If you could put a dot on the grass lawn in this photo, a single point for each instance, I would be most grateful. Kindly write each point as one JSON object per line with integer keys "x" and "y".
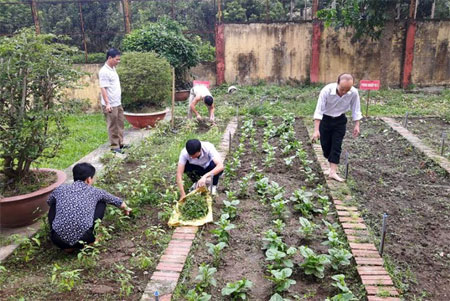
{"x": 87, "y": 132}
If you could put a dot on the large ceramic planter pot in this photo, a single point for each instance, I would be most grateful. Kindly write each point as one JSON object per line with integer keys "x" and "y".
{"x": 22, "y": 210}
{"x": 143, "y": 120}
{"x": 182, "y": 95}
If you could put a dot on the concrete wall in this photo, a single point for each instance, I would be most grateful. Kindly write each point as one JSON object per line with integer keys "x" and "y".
{"x": 365, "y": 58}
{"x": 272, "y": 52}
{"x": 90, "y": 89}
{"x": 204, "y": 71}
{"x": 432, "y": 54}
{"x": 282, "y": 52}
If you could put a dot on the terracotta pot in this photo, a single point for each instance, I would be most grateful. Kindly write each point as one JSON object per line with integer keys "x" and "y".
{"x": 182, "y": 95}
{"x": 143, "y": 120}
{"x": 22, "y": 210}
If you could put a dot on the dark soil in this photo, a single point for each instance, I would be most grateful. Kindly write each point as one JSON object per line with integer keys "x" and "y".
{"x": 99, "y": 282}
{"x": 429, "y": 130}
{"x": 245, "y": 257}
{"x": 391, "y": 176}
{"x": 31, "y": 182}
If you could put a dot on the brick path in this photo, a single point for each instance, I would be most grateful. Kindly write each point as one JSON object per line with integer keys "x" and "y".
{"x": 416, "y": 142}
{"x": 369, "y": 263}
{"x": 165, "y": 278}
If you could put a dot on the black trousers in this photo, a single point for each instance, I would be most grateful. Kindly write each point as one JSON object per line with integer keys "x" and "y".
{"x": 332, "y": 132}
{"x": 88, "y": 237}
{"x": 195, "y": 172}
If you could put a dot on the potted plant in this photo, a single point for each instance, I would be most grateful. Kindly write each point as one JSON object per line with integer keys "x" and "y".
{"x": 166, "y": 38}
{"x": 146, "y": 81}
{"x": 34, "y": 73}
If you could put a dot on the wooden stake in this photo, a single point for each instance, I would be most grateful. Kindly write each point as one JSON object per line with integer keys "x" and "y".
{"x": 368, "y": 101}
{"x": 173, "y": 98}
{"x": 443, "y": 143}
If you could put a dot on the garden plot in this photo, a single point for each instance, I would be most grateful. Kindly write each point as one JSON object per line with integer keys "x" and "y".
{"x": 429, "y": 130}
{"x": 120, "y": 267}
{"x": 270, "y": 239}
{"x": 388, "y": 175}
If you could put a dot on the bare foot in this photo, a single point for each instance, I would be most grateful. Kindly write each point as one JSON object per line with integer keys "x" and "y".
{"x": 336, "y": 177}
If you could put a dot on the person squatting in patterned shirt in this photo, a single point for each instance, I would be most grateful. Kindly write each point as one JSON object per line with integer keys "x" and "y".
{"x": 74, "y": 209}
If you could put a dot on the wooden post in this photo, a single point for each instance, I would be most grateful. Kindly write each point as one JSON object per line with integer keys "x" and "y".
{"x": 173, "y": 98}
{"x": 315, "y": 47}
{"x": 126, "y": 15}
{"x": 267, "y": 11}
{"x": 83, "y": 33}
{"x": 172, "y": 10}
{"x": 368, "y": 101}
{"x": 219, "y": 12}
{"x": 35, "y": 13}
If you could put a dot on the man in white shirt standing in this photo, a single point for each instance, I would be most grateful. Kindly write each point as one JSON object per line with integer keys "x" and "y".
{"x": 111, "y": 100}
{"x": 201, "y": 92}
{"x": 330, "y": 122}
{"x": 200, "y": 160}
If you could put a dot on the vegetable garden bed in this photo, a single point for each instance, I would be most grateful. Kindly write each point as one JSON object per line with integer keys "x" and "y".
{"x": 388, "y": 175}
{"x": 120, "y": 267}
{"x": 255, "y": 243}
{"x": 429, "y": 130}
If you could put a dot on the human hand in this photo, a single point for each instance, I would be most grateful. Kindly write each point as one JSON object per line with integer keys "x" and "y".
{"x": 108, "y": 108}
{"x": 356, "y": 131}
{"x": 199, "y": 117}
{"x": 315, "y": 136}
{"x": 201, "y": 182}
{"x": 126, "y": 210}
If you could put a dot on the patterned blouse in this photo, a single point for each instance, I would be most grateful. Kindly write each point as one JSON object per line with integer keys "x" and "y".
{"x": 75, "y": 208}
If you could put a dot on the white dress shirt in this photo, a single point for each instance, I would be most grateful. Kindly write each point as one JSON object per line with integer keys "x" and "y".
{"x": 207, "y": 154}
{"x": 109, "y": 79}
{"x": 331, "y": 104}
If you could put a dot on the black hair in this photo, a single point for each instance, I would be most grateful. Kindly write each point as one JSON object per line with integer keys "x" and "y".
{"x": 193, "y": 146}
{"x": 208, "y": 100}
{"x": 82, "y": 171}
{"x": 113, "y": 52}
{"x": 339, "y": 77}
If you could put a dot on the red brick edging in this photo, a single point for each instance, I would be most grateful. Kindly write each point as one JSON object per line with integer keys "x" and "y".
{"x": 369, "y": 263}
{"x": 165, "y": 278}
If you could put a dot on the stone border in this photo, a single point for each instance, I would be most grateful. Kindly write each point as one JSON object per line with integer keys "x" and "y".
{"x": 369, "y": 263}
{"x": 417, "y": 143}
{"x": 165, "y": 278}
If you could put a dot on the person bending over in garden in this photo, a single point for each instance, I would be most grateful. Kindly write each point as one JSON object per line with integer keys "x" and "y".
{"x": 198, "y": 93}
{"x": 200, "y": 160}
{"x": 111, "y": 94}
{"x": 330, "y": 122}
{"x": 74, "y": 209}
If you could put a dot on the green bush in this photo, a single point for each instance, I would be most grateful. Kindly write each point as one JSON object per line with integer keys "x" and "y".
{"x": 166, "y": 38}
{"x": 34, "y": 74}
{"x": 146, "y": 80}
{"x": 93, "y": 58}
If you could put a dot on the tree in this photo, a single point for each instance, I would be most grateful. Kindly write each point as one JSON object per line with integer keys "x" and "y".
{"x": 366, "y": 17}
{"x": 34, "y": 73}
{"x": 14, "y": 17}
{"x": 166, "y": 38}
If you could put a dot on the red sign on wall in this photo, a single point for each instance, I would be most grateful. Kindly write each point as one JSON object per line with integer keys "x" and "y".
{"x": 369, "y": 85}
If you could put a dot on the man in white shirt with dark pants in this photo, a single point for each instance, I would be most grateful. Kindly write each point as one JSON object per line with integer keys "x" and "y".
{"x": 111, "y": 94}
{"x": 200, "y": 160}
{"x": 201, "y": 92}
{"x": 330, "y": 122}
